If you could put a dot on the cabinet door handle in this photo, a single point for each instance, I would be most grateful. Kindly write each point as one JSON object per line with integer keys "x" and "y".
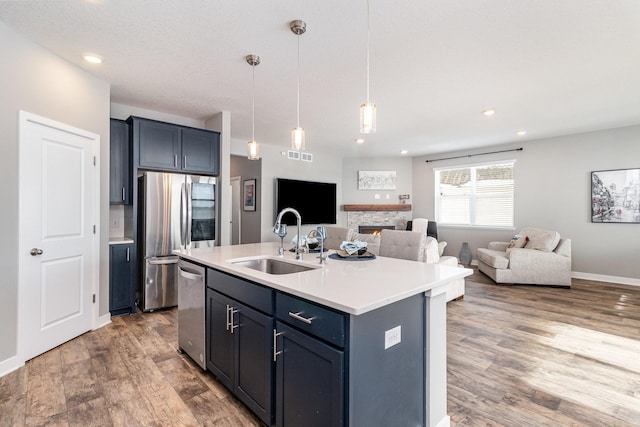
{"x": 228, "y": 316}
{"x": 298, "y": 316}
{"x": 276, "y": 334}
{"x": 128, "y": 255}
{"x": 175, "y": 160}
{"x": 123, "y": 194}
{"x": 184, "y": 162}
{"x": 231, "y": 313}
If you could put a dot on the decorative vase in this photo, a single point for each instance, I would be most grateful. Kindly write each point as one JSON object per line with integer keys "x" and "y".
{"x": 465, "y": 254}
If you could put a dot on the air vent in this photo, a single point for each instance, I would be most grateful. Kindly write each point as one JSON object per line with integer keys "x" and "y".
{"x": 293, "y": 155}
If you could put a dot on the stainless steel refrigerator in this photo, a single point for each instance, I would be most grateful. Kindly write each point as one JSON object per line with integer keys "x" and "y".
{"x": 176, "y": 211}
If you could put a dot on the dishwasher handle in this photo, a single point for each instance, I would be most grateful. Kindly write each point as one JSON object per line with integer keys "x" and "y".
{"x": 191, "y": 276}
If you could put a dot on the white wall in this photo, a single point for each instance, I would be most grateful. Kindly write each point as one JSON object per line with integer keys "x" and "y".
{"x": 250, "y": 221}
{"x": 221, "y": 122}
{"x": 402, "y": 165}
{"x": 553, "y": 190}
{"x": 324, "y": 168}
{"x": 34, "y": 80}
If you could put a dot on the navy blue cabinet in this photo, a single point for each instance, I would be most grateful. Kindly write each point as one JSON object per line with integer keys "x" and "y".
{"x": 309, "y": 380}
{"x": 165, "y": 146}
{"x": 295, "y": 362}
{"x": 240, "y": 345}
{"x": 200, "y": 151}
{"x": 158, "y": 144}
{"x": 119, "y": 163}
{"x": 121, "y": 268}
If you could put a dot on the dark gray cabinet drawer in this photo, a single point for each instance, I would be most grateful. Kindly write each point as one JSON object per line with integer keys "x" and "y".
{"x": 248, "y": 293}
{"x": 309, "y": 317}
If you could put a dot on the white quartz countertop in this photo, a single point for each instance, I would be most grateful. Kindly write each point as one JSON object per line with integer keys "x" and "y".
{"x": 353, "y": 287}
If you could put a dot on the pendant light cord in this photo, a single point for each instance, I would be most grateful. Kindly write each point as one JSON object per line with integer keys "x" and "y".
{"x": 368, "y": 25}
{"x": 298, "y": 71}
{"x": 253, "y": 103}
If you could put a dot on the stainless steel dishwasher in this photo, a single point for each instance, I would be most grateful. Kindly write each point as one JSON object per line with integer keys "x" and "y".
{"x": 191, "y": 311}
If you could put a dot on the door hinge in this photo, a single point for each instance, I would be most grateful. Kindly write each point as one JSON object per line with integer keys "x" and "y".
{"x": 94, "y": 160}
{"x": 94, "y": 229}
{"x": 94, "y": 298}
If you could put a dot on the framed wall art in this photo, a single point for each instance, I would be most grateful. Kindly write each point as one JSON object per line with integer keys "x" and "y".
{"x": 376, "y": 180}
{"x": 615, "y": 196}
{"x": 249, "y": 195}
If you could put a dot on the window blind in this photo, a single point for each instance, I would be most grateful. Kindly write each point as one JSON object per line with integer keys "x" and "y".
{"x": 476, "y": 195}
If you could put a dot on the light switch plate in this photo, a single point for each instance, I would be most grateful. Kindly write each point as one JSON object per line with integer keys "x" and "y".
{"x": 392, "y": 337}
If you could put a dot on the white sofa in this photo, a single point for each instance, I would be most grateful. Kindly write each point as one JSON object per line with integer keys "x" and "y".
{"x": 537, "y": 257}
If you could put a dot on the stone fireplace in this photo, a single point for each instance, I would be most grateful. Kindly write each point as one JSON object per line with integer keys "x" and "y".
{"x": 392, "y": 217}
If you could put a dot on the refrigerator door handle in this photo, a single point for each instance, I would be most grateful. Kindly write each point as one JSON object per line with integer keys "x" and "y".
{"x": 164, "y": 260}
{"x": 189, "y": 212}
{"x": 183, "y": 216}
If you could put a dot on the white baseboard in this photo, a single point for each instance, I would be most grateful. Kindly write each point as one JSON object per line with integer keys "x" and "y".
{"x": 10, "y": 365}
{"x": 103, "y": 321}
{"x": 605, "y": 278}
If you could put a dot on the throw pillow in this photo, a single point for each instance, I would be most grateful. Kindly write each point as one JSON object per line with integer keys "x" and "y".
{"x": 542, "y": 240}
{"x": 518, "y": 241}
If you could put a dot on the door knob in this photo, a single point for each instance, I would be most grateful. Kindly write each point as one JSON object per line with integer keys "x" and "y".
{"x": 35, "y": 252}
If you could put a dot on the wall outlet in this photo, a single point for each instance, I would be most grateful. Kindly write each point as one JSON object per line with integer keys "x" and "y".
{"x": 392, "y": 337}
{"x": 376, "y": 196}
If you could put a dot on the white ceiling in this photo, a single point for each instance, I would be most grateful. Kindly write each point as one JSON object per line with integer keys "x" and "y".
{"x": 551, "y": 67}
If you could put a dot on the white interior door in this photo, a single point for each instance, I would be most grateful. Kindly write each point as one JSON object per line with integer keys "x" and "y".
{"x": 236, "y": 211}
{"x": 58, "y": 245}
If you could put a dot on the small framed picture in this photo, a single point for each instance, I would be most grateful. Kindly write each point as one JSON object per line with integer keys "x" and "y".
{"x": 249, "y": 195}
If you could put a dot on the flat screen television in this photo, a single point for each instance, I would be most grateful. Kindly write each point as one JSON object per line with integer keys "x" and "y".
{"x": 315, "y": 201}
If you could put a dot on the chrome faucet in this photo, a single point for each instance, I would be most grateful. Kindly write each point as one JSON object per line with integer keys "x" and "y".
{"x": 276, "y": 227}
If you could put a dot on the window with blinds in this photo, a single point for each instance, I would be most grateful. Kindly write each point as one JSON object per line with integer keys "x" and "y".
{"x": 475, "y": 195}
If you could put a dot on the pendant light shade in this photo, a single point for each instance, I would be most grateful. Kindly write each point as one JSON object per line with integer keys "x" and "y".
{"x": 252, "y": 149}
{"x": 297, "y": 139}
{"x": 368, "y": 109}
{"x": 252, "y": 146}
{"x": 298, "y": 27}
{"x": 367, "y": 118}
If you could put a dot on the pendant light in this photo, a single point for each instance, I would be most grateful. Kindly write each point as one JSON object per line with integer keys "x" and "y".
{"x": 252, "y": 146}
{"x": 368, "y": 109}
{"x": 298, "y": 27}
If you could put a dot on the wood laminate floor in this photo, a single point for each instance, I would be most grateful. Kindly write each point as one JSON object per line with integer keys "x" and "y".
{"x": 517, "y": 356}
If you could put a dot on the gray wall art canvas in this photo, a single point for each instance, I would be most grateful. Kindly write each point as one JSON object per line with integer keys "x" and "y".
{"x": 615, "y": 196}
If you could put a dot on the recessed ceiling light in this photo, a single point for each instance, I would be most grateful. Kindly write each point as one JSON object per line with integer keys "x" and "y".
{"x": 521, "y": 132}
{"x": 489, "y": 112}
{"x": 360, "y": 140}
{"x": 404, "y": 152}
{"x": 93, "y": 58}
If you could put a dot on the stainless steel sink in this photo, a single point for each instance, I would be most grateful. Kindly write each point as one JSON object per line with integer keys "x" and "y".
{"x": 272, "y": 265}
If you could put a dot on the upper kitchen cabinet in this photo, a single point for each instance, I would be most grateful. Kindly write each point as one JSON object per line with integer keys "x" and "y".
{"x": 120, "y": 164}
{"x": 164, "y": 146}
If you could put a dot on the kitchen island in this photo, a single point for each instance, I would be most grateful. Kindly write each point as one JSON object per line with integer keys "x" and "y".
{"x": 348, "y": 343}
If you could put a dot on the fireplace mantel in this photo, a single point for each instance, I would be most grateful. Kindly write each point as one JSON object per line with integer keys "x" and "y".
{"x": 378, "y": 207}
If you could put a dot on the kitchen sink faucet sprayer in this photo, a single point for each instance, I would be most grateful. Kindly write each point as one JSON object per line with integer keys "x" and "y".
{"x": 277, "y": 225}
